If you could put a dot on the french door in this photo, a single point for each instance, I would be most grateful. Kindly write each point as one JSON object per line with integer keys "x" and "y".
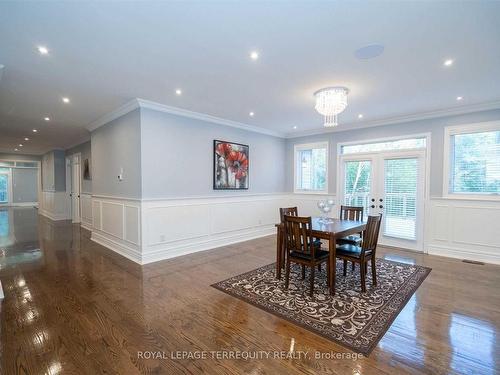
{"x": 391, "y": 183}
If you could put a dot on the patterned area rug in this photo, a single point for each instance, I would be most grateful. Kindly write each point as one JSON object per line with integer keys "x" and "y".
{"x": 350, "y": 318}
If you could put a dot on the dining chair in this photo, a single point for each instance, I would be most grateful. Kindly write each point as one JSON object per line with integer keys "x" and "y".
{"x": 351, "y": 213}
{"x": 300, "y": 248}
{"x": 364, "y": 253}
{"x": 293, "y": 211}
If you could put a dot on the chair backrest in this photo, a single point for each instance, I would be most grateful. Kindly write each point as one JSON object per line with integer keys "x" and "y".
{"x": 351, "y": 213}
{"x": 370, "y": 237}
{"x": 298, "y": 234}
{"x": 292, "y": 211}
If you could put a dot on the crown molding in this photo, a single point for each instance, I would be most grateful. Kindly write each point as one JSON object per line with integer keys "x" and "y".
{"x": 454, "y": 111}
{"x": 81, "y": 142}
{"x": 204, "y": 117}
{"x": 113, "y": 115}
{"x": 147, "y": 104}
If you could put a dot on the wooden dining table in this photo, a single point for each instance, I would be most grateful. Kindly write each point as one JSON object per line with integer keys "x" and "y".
{"x": 328, "y": 230}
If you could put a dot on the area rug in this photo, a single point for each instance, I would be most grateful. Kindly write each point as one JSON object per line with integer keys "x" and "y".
{"x": 351, "y": 318}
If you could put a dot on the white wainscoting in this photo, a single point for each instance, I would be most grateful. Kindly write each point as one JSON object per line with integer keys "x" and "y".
{"x": 176, "y": 227}
{"x": 54, "y": 205}
{"x": 464, "y": 229}
{"x": 86, "y": 210}
{"x": 116, "y": 224}
{"x": 151, "y": 230}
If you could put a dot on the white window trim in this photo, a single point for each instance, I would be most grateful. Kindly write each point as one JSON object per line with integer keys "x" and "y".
{"x": 307, "y": 146}
{"x": 449, "y": 131}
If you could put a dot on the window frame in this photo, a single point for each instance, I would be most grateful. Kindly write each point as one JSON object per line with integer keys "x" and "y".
{"x": 308, "y": 146}
{"x": 448, "y": 159}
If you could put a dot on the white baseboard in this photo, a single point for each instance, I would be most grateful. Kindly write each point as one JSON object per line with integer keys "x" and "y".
{"x": 179, "y": 248}
{"x": 86, "y": 225}
{"x": 117, "y": 245}
{"x": 23, "y": 204}
{"x": 463, "y": 254}
{"x": 53, "y": 216}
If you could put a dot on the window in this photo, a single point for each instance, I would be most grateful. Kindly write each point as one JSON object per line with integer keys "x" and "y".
{"x": 474, "y": 160}
{"x": 311, "y": 168}
{"x": 399, "y": 144}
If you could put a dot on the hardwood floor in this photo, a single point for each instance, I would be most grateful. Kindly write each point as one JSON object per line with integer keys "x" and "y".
{"x": 74, "y": 307}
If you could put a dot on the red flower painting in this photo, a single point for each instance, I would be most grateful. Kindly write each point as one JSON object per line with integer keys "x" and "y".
{"x": 230, "y": 165}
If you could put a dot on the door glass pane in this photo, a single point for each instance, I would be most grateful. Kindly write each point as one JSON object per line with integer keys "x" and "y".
{"x": 357, "y": 184}
{"x": 4, "y": 184}
{"x": 400, "y": 214}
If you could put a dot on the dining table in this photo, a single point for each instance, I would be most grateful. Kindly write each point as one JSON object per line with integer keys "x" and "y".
{"x": 329, "y": 229}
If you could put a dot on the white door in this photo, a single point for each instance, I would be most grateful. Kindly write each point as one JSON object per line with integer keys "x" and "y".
{"x": 75, "y": 188}
{"x": 391, "y": 183}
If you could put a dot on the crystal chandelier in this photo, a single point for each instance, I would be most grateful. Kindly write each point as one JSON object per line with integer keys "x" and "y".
{"x": 331, "y": 101}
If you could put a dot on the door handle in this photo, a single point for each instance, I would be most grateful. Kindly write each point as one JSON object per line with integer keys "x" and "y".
{"x": 380, "y": 206}
{"x": 381, "y": 200}
{"x": 372, "y": 206}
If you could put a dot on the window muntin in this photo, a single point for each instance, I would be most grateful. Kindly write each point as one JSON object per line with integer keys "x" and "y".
{"x": 311, "y": 167}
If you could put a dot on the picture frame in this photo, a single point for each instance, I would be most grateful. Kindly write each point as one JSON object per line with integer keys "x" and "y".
{"x": 231, "y": 165}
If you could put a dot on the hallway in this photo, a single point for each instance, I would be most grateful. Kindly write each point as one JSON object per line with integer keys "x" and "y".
{"x": 73, "y": 307}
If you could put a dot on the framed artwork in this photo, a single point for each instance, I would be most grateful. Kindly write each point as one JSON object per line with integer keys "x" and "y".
{"x": 231, "y": 166}
{"x": 86, "y": 170}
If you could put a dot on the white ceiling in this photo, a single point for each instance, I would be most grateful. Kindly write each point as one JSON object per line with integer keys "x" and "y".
{"x": 104, "y": 54}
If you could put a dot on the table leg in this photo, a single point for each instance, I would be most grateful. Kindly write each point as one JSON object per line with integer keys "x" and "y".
{"x": 278, "y": 252}
{"x": 332, "y": 247}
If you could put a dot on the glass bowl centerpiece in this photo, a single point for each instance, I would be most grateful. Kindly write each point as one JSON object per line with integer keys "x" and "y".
{"x": 325, "y": 207}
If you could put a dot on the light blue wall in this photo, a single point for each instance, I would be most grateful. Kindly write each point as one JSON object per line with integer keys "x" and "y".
{"x": 113, "y": 146}
{"x": 24, "y": 185}
{"x": 177, "y": 157}
{"x": 54, "y": 171}
{"x": 86, "y": 153}
{"x": 433, "y": 126}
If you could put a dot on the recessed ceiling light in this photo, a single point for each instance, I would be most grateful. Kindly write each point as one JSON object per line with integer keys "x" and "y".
{"x": 26, "y": 139}
{"x": 360, "y": 115}
{"x": 459, "y": 98}
{"x": 46, "y": 118}
{"x": 178, "y": 92}
{"x": 65, "y": 100}
{"x": 254, "y": 55}
{"x": 295, "y": 127}
{"x": 448, "y": 62}
{"x": 16, "y": 149}
{"x": 20, "y": 145}
{"x": 34, "y": 130}
{"x": 43, "y": 50}
{"x": 251, "y": 114}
